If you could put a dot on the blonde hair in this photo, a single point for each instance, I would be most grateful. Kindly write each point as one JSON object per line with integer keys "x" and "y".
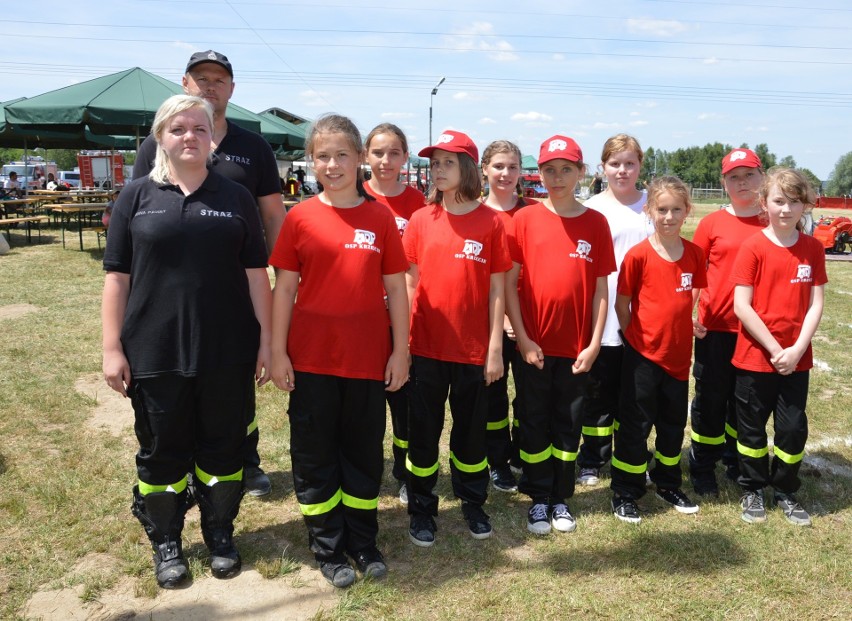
{"x": 171, "y": 107}
{"x": 793, "y": 185}
{"x": 620, "y": 143}
{"x": 668, "y": 185}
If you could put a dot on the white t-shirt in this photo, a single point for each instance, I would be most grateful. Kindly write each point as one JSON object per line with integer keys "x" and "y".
{"x": 12, "y": 185}
{"x": 629, "y": 225}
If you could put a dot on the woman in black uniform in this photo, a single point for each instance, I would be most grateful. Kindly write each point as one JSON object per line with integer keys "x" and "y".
{"x": 186, "y": 307}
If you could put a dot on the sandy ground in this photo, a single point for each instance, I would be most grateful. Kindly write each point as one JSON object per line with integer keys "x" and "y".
{"x": 13, "y": 311}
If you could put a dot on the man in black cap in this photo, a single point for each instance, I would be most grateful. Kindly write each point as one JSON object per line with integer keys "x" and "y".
{"x": 242, "y": 156}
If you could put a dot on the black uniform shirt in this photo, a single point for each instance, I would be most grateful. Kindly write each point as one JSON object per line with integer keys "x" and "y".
{"x": 189, "y": 307}
{"x": 242, "y": 156}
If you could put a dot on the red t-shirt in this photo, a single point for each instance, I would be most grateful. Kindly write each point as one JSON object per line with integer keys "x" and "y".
{"x": 720, "y": 236}
{"x": 507, "y": 216}
{"x": 455, "y": 257}
{"x": 340, "y": 323}
{"x": 660, "y": 293}
{"x": 561, "y": 260}
{"x": 782, "y": 279}
{"x": 403, "y": 205}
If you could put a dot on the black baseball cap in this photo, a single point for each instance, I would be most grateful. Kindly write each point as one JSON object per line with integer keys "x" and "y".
{"x": 210, "y": 57}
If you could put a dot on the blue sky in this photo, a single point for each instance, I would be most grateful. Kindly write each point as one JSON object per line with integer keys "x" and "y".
{"x": 674, "y": 73}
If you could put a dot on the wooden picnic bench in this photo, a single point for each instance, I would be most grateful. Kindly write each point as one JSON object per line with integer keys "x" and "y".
{"x": 29, "y": 221}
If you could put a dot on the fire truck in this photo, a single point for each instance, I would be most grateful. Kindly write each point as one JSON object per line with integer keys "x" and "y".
{"x": 101, "y": 169}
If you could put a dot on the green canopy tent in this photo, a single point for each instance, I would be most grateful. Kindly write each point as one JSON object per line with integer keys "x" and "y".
{"x": 529, "y": 162}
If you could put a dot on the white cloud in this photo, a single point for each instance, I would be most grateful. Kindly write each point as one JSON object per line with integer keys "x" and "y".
{"x": 397, "y": 115}
{"x": 479, "y": 37}
{"x": 531, "y": 116}
{"x": 634, "y": 113}
{"x": 759, "y": 128}
{"x": 487, "y": 121}
{"x": 465, "y": 96}
{"x": 602, "y": 125}
{"x": 647, "y": 104}
{"x": 708, "y": 116}
{"x": 639, "y": 123}
{"x": 315, "y": 99}
{"x": 711, "y": 61}
{"x": 656, "y": 27}
{"x": 558, "y": 57}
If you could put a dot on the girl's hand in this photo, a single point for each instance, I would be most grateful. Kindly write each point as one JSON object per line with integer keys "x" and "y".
{"x": 396, "y": 372}
{"x": 508, "y": 329}
{"x": 281, "y": 372}
{"x": 786, "y": 360}
{"x": 116, "y": 371}
{"x": 698, "y": 330}
{"x": 585, "y": 360}
{"x": 493, "y": 366}
{"x": 531, "y": 353}
{"x": 261, "y": 369}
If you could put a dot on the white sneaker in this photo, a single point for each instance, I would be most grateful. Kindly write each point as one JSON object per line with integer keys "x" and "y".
{"x": 561, "y": 519}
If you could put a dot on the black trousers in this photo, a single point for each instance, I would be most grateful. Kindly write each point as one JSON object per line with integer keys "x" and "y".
{"x": 399, "y": 407}
{"x": 714, "y": 413}
{"x": 785, "y": 397}
{"x": 601, "y": 407}
{"x": 650, "y": 397}
{"x": 431, "y": 381}
{"x": 552, "y": 403}
{"x": 337, "y": 426}
{"x": 502, "y": 436}
{"x": 183, "y": 422}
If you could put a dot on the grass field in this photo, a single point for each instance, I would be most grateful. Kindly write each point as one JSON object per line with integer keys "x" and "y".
{"x": 65, "y": 493}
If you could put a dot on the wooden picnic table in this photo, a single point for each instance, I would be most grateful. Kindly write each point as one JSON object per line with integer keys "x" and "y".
{"x": 74, "y": 212}
{"x": 17, "y": 204}
{"x": 28, "y": 223}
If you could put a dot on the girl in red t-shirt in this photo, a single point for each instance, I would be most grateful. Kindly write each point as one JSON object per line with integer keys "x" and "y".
{"x": 340, "y": 251}
{"x": 654, "y": 309}
{"x": 779, "y": 278}
{"x": 386, "y": 149}
{"x": 456, "y": 248}
{"x": 501, "y": 169}
{"x": 562, "y": 254}
{"x": 720, "y": 235}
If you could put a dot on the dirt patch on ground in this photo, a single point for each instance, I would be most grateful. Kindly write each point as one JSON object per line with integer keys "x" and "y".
{"x": 13, "y": 311}
{"x": 248, "y": 596}
{"x": 111, "y": 412}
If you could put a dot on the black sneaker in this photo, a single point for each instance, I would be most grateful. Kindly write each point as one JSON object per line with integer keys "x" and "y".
{"x": 677, "y": 499}
{"x": 338, "y": 574}
{"x": 561, "y": 518}
{"x": 477, "y": 520}
{"x": 422, "y": 529}
{"x": 538, "y": 519}
{"x": 503, "y": 480}
{"x": 256, "y": 481}
{"x": 754, "y": 511}
{"x": 626, "y": 509}
{"x": 371, "y": 563}
{"x": 705, "y": 484}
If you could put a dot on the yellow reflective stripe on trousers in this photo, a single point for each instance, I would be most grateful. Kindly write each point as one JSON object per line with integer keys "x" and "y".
{"x": 175, "y": 488}
{"x": 707, "y": 439}
{"x": 251, "y": 426}
{"x": 535, "y": 458}
{"x": 210, "y": 479}
{"x": 500, "y": 424}
{"x": 420, "y": 472}
{"x": 786, "y": 457}
{"x": 615, "y": 425}
{"x": 617, "y": 463}
{"x": 322, "y": 507}
{"x": 666, "y": 461}
{"x": 468, "y": 467}
{"x": 354, "y": 502}
{"x": 730, "y": 431}
{"x": 403, "y": 444}
{"x": 600, "y": 432}
{"x": 750, "y": 452}
{"x": 516, "y": 422}
{"x": 562, "y": 455}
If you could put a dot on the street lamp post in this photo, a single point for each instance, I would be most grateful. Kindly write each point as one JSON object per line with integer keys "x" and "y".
{"x": 434, "y": 92}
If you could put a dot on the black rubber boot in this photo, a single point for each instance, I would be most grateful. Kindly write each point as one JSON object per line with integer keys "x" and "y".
{"x": 219, "y": 507}
{"x": 161, "y": 514}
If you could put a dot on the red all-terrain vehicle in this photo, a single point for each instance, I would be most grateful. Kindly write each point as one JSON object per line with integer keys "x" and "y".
{"x": 835, "y": 233}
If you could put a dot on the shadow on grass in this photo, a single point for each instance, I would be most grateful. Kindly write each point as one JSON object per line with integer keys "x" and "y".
{"x": 2, "y": 463}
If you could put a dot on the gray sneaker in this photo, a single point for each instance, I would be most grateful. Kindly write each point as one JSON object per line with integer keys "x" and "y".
{"x": 793, "y": 511}
{"x": 754, "y": 510}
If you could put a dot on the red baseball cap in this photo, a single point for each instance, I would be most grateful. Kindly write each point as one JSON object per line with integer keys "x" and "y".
{"x": 454, "y": 142}
{"x": 740, "y": 157}
{"x": 559, "y": 148}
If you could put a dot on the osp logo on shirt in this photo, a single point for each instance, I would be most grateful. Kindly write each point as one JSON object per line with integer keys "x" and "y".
{"x": 803, "y": 274}
{"x": 584, "y": 249}
{"x": 685, "y": 282}
{"x": 401, "y": 224}
{"x": 364, "y": 240}
{"x": 471, "y": 251}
